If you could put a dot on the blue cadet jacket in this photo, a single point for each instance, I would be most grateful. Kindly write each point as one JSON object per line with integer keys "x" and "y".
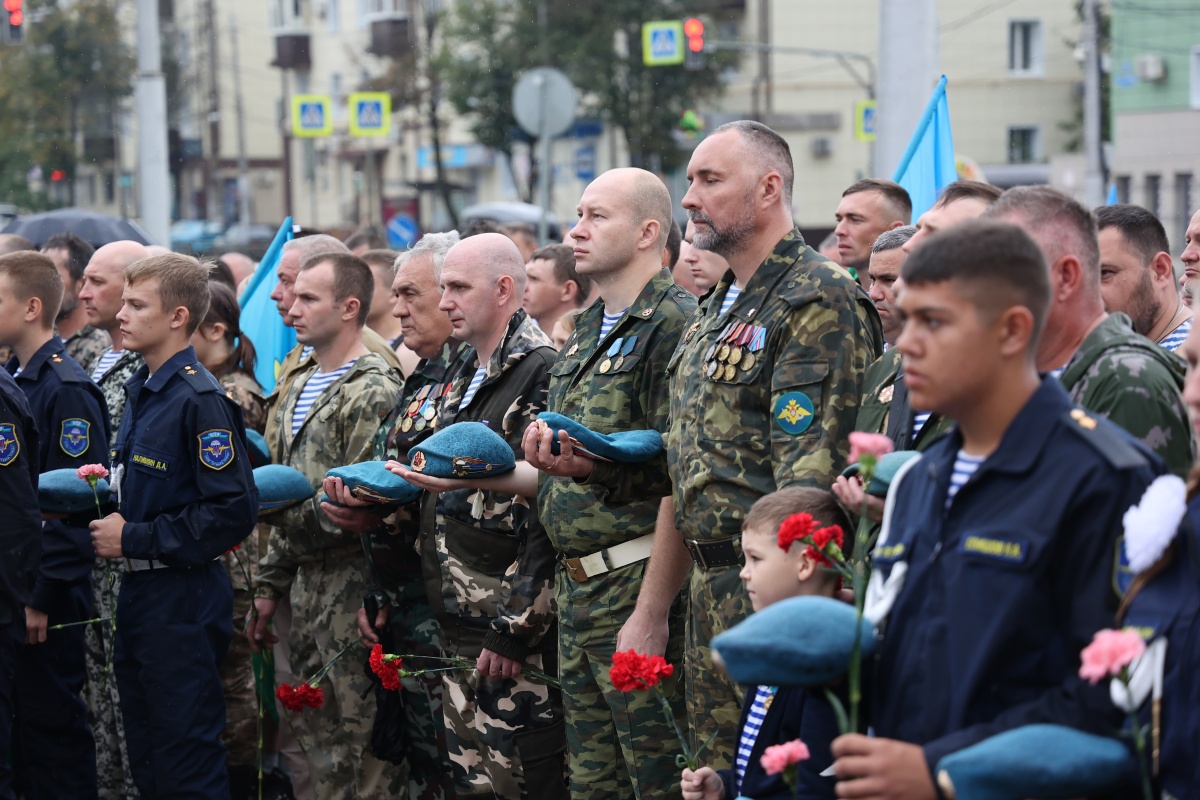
{"x": 21, "y": 533}
{"x": 1168, "y": 607}
{"x": 1007, "y": 586}
{"x": 187, "y": 489}
{"x": 72, "y": 419}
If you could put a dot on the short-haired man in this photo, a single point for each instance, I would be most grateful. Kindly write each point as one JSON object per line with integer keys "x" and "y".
{"x": 1104, "y": 365}
{"x": 524, "y": 236}
{"x": 14, "y": 243}
{"x": 186, "y": 495}
{"x": 1137, "y": 275}
{"x": 883, "y": 270}
{"x": 1191, "y": 260}
{"x": 404, "y": 621}
{"x": 55, "y": 750}
{"x": 704, "y": 268}
{"x": 365, "y": 240}
{"x": 868, "y": 208}
{"x": 327, "y": 417}
{"x": 981, "y": 523}
{"x": 959, "y": 201}
{"x": 379, "y": 318}
{"x": 84, "y": 342}
{"x": 670, "y": 256}
{"x": 764, "y": 387}
{"x": 553, "y": 286}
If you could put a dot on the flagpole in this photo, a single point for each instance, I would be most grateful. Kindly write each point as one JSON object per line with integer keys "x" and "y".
{"x": 926, "y": 118}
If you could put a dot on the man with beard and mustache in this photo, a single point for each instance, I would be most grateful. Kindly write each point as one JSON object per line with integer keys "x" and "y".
{"x": 84, "y": 342}
{"x": 764, "y": 391}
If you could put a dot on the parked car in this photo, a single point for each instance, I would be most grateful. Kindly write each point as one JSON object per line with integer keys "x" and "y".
{"x": 194, "y": 235}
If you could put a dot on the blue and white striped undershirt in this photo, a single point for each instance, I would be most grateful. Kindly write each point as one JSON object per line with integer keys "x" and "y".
{"x": 1176, "y": 337}
{"x": 754, "y": 722}
{"x": 731, "y": 296}
{"x": 964, "y": 467}
{"x": 316, "y": 383}
{"x": 473, "y": 387}
{"x": 919, "y": 420}
{"x": 105, "y": 362}
{"x": 610, "y": 320}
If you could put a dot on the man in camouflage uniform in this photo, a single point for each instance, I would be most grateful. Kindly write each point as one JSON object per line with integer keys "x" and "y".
{"x": 487, "y": 561}
{"x": 308, "y": 559}
{"x": 601, "y": 516}
{"x": 84, "y": 342}
{"x": 405, "y": 621}
{"x": 103, "y": 284}
{"x": 765, "y": 387}
{"x": 1104, "y": 365}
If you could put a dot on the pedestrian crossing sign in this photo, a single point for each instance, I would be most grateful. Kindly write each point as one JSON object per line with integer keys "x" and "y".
{"x": 662, "y": 43}
{"x": 370, "y": 113}
{"x": 311, "y": 116}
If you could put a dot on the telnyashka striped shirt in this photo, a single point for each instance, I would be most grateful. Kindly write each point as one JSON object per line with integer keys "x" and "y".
{"x": 105, "y": 362}
{"x": 316, "y": 383}
{"x": 1176, "y": 337}
{"x": 609, "y": 321}
{"x": 473, "y": 387}
{"x": 731, "y": 296}
{"x": 964, "y": 468}
{"x": 754, "y": 721}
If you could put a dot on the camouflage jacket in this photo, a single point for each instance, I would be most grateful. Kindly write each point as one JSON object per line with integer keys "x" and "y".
{"x": 112, "y": 385}
{"x": 619, "y": 502}
{"x": 391, "y": 550}
{"x": 86, "y": 345}
{"x": 886, "y": 409}
{"x": 1135, "y": 383}
{"x": 339, "y": 429}
{"x": 243, "y": 389}
{"x": 489, "y": 569}
{"x": 738, "y": 433}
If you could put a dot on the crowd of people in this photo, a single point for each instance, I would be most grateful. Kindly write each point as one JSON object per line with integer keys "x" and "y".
{"x": 1035, "y": 353}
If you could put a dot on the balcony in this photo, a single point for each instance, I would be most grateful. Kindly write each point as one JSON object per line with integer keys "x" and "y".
{"x": 292, "y": 51}
{"x": 289, "y": 27}
{"x": 391, "y": 28}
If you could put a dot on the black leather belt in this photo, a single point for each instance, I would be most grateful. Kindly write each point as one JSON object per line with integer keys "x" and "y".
{"x": 715, "y": 553}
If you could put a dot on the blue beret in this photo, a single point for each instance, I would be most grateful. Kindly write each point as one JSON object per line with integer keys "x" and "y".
{"x": 801, "y": 641}
{"x": 280, "y": 487}
{"x": 1034, "y": 761}
{"x": 629, "y": 447}
{"x": 371, "y": 481}
{"x": 260, "y": 454}
{"x": 463, "y": 450}
{"x": 885, "y": 470}
{"x": 61, "y": 491}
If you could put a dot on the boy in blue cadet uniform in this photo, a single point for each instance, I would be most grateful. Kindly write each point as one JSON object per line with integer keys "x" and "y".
{"x": 996, "y": 561}
{"x": 54, "y": 750}
{"x": 20, "y": 549}
{"x": 186, "y": 495}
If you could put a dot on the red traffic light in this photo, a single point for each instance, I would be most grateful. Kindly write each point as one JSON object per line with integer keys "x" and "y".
{"x": 693, "y": 27}
{"x": 57, "y": 175}
{"x": 13, "y": 6}
{"x": 696, "y": 44}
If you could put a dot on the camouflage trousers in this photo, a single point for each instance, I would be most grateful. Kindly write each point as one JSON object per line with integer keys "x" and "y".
{"x": 240, "y": 736}
{"x": 325, "y": 601}
{"x": 114, "y": 778}
{"x": 618, "y": 744}
{"x": 717, "y": 602}
{"x": 505, "y": 737}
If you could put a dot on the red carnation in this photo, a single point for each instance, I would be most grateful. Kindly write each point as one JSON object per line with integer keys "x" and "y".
{"x": 295, "y": 698}
{"x": 826, "y": 542}
{"x": 632, "y": 671}
{"x": 795, "y": 528}
{"x": 289, "y": 697}
{"x": 387, "y": 668}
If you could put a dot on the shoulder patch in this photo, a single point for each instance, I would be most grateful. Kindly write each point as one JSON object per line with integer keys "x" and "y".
{"x": 216, "y": 448}
{"x": 1122, "y": 573}
{"x": 200, "y": 380}
{"x": 793, "y": 413}
{"x": 75, "y": 437}
{"x": 62, "y": 368}
{"x": 1104, "y": 438}
{"x": 10, "y": 445}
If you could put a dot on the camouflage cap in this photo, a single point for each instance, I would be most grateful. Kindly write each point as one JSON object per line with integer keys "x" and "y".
{"x": 62, "y": 491}
{"x": 463, "y": 450}
{"x": 1034, "y": 761}
{"x": 371, "y": 481}
{"x": 629, "y": 447}
{"x": 280, "y": 487}
{"x": 801, "y": 641}
{"x": 885, "y": 470}
{"x": 260, "y": 454}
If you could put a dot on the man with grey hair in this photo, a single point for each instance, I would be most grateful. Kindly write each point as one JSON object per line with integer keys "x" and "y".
{"x": 1105, "y": 366}
{"x": 883, "y": 271}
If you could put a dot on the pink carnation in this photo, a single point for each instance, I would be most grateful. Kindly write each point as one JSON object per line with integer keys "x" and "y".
{"x": 872, "y": 444}
{"x": 777, "y": 758}
{"x": 1109, "y": 653}
{"x": 88, "y": 471}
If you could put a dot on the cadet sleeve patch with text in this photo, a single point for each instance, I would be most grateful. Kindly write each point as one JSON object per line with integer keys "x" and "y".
{"x": 76, "y": 437}
{"x": 793, "y": 413}
{"x": 1012, "y": 551}
{"x": 10, "y": 445}
{"x": 216, "y": 448}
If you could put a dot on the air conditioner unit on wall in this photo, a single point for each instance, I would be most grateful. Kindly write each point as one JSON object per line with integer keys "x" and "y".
{"x": 1150, "y": 67}
{"x": 822, "y": 147}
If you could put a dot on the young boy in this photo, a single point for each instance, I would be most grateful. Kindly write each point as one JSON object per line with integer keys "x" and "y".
{"x": 1006, "y": 528}
{"x": 774, "y": 715}
{"x": 186, "y": 495}
{"x": 55, "y": 752}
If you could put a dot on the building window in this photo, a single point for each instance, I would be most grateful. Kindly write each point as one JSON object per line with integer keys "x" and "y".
{"x": 333, "y": 15}
{"x": 1153, "y": 202}
{"x": 1025, "y": 50}
{"x": 286, "y": 14}
{"x": 1195, "y": 64}
{"x": 1122, "y": 188}
{"x": 1024, "y": 144}
{"x": 1183, "y": 202}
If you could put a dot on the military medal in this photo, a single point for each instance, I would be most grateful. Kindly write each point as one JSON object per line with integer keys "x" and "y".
{"x": 606, "y": 364}
{"x": 412, "y": 407}
{"x": 406, "y": 425}
{"x": 730, "y": 371}
{"x": 429, "y": 412}
{"x": 712, "y": 368}
{"x": 712, "y": 351}
{"x": 885, "y": 394}
{"x": 420, "y": 424}
{"x": 630, "y": 343}
{"x": 748, "y": 362}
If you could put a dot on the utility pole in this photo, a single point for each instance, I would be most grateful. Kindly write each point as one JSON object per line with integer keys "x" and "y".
{"x": 243, "y": 174}
{"x": 1093, "y": 173}
{"x": 213, "y": 162}
{"x": 908, "y": 72}
{"x": 151, "y": 97}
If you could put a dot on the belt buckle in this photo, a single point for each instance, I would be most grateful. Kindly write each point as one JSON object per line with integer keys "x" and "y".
{"x": 697, "y": 553}
{"x": 575, "y": 569}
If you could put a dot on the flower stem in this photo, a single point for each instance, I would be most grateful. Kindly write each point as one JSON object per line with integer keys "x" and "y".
{"x": 688, "y": 756}
{"x": 1139, "y": 737}
{"x": 316, "y": 679}
{"x": 62, "y": 625}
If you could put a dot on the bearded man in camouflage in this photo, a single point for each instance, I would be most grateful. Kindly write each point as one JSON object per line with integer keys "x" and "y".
{"x": 765, "y": 388}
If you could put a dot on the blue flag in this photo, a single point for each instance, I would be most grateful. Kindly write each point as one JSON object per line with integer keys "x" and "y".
{"x": 928, "y": 164}
{"x": 1112, "y": 195}
{"x": 261, "y": 322}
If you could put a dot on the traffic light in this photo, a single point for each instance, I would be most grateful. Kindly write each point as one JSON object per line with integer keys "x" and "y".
{"x": 15, "y": 14}
{"x": 57, "y": 175}
{"x": 693, "y": 29}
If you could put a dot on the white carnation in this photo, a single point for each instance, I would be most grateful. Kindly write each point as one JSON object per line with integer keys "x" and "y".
{"x": 1151, "y": 524}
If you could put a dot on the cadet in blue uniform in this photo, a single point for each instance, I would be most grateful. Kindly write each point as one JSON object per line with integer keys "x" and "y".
{"x": 995, "y": 565}
{"x": 186, "y": 496}
{"x": 55, "y": 752}
{"x": 20, "y": 549}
